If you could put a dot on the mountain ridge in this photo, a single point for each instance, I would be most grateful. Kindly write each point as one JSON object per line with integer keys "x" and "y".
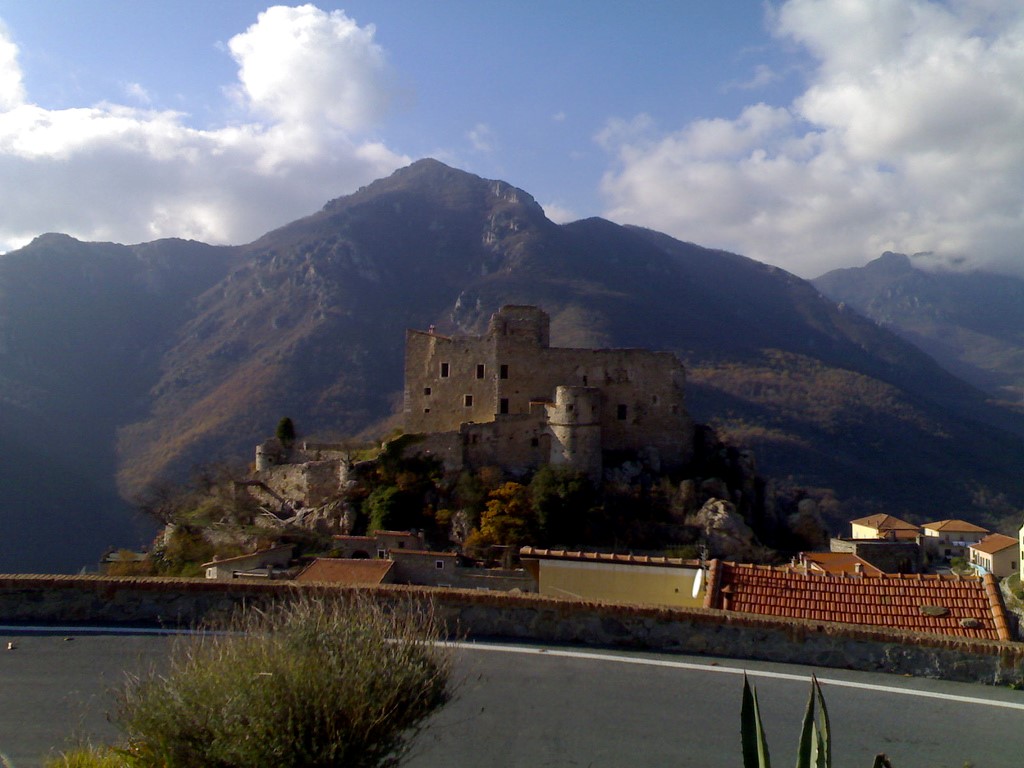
{"x": 309, "y": 320}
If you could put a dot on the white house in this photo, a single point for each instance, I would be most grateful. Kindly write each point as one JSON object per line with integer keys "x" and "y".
{"x": 996, "y": 554}
{"x": 950, "y": 538}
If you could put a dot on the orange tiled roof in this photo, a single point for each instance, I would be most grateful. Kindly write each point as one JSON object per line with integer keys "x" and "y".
{"x": 399, "y": 534}
{"x": 882, "y": 522}
{"x": 601, "y": 557}
{"x": 955, "y": 526}
{"x": 994, "y": 542}
{"x": 938, "y": 604}
{"x": 840, "y": 562}
{"x": 338, "y": 570}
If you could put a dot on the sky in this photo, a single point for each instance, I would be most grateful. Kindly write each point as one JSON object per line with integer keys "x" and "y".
{"x": 807, "y": 134}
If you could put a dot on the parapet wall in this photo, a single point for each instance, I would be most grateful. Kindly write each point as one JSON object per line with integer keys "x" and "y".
{"x": 485, "y": 614}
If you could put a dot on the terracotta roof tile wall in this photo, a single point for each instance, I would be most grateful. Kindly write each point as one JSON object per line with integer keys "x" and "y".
{"x": 937, "y": 604}
{"x": 335, "y": 570}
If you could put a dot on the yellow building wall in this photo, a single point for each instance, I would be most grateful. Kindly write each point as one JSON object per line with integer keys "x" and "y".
{"x": 613, "y": 582}
{"x": 863, "y": 531}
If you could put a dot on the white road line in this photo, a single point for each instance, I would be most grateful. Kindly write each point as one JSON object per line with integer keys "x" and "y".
{"x": 717, "y": 667}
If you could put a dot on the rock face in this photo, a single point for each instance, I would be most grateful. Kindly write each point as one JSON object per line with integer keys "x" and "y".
{"x": 726, "y": 534}
{"x": 806, "y": 524}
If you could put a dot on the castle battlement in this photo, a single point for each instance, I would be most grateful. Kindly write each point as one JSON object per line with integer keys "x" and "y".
{"x": 517, "y": 402}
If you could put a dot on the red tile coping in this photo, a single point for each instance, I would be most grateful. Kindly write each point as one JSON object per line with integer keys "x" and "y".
{"x": 602, "y": 557}
{"x": 968, "y": 607}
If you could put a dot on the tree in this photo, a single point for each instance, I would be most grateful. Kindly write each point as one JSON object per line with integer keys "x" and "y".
{"x": 390, "y": 508}
{"x": 561, "y": 499}
{"x": 286, "y": 432}
{"x": 509, "y": 518}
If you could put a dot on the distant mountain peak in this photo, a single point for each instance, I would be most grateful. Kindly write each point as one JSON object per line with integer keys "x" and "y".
{"x": 891, "y": 260}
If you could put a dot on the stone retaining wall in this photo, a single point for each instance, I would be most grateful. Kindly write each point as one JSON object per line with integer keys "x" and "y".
{"x": 479, "y": 614}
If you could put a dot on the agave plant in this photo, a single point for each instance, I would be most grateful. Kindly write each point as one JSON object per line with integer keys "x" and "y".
{"x": 815, "y": 748}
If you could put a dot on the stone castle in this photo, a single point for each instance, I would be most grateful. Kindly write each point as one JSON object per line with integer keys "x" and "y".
{"x": 509, "y": 399}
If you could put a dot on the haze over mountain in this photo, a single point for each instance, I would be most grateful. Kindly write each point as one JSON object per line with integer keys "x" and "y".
{"x": 971, "y": 322}
{"x": 141, "y": 361}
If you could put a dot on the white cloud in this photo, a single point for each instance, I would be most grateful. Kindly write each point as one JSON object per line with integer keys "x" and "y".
{"x": 481, "y": 138}
{"x": 138, "y": 92}
{"x": 908, "y": 137}
{"x": 558, "y": 213}
{"x": 12, "y": 92}
{"x": 122, "y": 173}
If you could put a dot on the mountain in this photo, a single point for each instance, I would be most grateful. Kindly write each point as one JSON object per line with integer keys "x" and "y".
{"x": 142, "y": 361}
{"x": 971, "y": 322}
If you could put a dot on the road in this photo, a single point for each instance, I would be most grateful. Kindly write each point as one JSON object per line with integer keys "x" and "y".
{"x": 532, "y": 706}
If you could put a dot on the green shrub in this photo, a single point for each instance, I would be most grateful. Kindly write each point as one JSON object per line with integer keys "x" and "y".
{"x": 306, "y": 683}
{"x": 89, "y": 757}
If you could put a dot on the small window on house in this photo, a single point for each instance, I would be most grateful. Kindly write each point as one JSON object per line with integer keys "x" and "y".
{"x": 480, "y": 371}
{"x": 381, "y": 554}
{"x": 439, "y": 564}
{"x": 534, "y": 442}
{"x": 569, "y": 407}
{"x": 467, "y": 400}
{"x": 620, "y": 412}
{"x": 503, "y": 405}
{"x": 401, "y": 545}
{"x": 584, "y": 381}
{"x": 426, "y": 391}
{"x": 444, "y": 370}
{"x": 426, "y": 410}
{"x": 503, "y": 372}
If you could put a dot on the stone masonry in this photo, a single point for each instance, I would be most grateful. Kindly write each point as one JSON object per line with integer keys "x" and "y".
{"x": 508, "y": 398}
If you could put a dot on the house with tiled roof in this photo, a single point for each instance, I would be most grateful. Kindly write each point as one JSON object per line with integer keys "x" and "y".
{"x": 347, "y": 571}
{"x": 968, "y": 607}
{"x": 995, "y": 554}
{"x": 634, "y": 579}
{"x": 263, "y": 564}
{"x": 883, "y": 526}
{"x": 835, "y": 563}
{"x": 950, "y": 538}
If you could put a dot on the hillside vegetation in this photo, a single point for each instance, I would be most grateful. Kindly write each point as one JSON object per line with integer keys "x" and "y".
{"x": 309, "y": 321}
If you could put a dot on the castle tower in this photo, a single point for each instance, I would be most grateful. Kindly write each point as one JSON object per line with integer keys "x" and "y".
{"x": 574, "y": 421}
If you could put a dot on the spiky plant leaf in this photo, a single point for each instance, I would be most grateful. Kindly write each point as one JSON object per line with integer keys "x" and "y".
{"x": 824, "y": 743}
{"x": 805, "y": 749}
{"x": 755, "y": 745}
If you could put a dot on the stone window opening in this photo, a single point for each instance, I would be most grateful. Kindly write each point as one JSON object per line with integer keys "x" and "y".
{"x": 503, "y": 372}
{"x": 480, "y": 371}
{"x": 467, "y": 400}
{"x": 439, "y": 564}
{"x": 503, "y": 405}
{"x": 534, "y": 442}
{"x": 621, "y": 411}
{"x": 426, "y": 410}
{"x": 426, "y": 391}
{"x": 445, "y": 370}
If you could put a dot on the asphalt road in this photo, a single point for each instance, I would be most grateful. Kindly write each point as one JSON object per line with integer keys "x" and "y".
{"x": 529, "y": 706}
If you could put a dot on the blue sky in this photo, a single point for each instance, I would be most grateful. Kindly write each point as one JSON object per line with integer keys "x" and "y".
{"x": 809, "y": 134}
